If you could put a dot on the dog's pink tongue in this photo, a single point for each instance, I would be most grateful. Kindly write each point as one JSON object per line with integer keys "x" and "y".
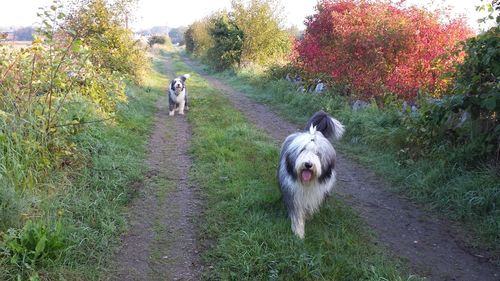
{"x": 306, "y": 175}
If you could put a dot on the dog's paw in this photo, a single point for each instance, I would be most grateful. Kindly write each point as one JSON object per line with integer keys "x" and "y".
{"x": 300, "y": 234}
{"x": 181, "y": 113}
{"x": 171, "y": 113}
{"x": 298, "y": 227}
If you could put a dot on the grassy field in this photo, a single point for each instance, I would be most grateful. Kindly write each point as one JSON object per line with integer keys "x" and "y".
{"x": 235, "y": 165}
{"x": 468, "y": 195}
{"x": 79, "y": 215}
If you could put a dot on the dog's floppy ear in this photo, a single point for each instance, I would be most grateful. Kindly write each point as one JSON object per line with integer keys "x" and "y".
{"x": 172, "y": 85}
{"x": 185, "y": 77}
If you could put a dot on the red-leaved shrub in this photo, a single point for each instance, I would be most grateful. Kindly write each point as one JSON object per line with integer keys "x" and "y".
{"x": 375, "y": 47}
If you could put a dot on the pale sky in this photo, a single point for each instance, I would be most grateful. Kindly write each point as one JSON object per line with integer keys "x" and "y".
{"x": 183, "y": 12}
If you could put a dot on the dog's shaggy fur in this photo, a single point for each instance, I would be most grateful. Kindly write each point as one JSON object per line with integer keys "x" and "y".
{"x": 178, "y": 95}
{"x": 306, "y": 171}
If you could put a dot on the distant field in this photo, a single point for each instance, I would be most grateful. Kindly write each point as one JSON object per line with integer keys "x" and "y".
{"x": 16, "y": 44}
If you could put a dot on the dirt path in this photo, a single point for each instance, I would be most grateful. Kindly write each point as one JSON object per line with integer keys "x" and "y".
{"x": 431, "y": 247}
{"x": 162, "y": 240}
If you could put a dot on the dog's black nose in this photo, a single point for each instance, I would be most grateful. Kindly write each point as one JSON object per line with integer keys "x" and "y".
{"x": 308, "y": 165}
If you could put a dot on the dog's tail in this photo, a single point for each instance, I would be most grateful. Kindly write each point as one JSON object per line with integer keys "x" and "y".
{"x": 327, "y": 125}
{"x": 185, "y": 77}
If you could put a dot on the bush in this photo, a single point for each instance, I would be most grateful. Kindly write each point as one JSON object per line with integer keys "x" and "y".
{"x": 198, "y": 38}
{"x": 476, "y": 138}
{"x": 250, "y": 34}
{"x": 189, "y": 39}
{"x": 227, "y": 42}
{"x": 478, "y": 78}
{"x": 49, "y": 89}
{"x": 156, "y": 39}
{"x": 72, "y": 75}
{"x": 376, "y": 47}
{"x": 111, "y": 46}
{"x": 36, "y": 89}
{"x": 265, "y": 41}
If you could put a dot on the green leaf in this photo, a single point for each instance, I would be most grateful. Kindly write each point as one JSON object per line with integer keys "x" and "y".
{"x": 34, "y": 277}
{"x": 40, "y": 246}
{"x": 14, "y": 246}
{"x": 489, "y": 103}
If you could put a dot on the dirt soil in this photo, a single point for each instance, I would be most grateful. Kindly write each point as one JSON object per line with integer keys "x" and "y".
{"x": 432, "y": 247}
{"x": 162, "y": 241}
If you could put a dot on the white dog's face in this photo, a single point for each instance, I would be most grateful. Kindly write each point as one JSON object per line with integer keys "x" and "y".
{"x": 177, "y": 85}
{"x": 308, "y": 164}
{"x": 311, "y": 147}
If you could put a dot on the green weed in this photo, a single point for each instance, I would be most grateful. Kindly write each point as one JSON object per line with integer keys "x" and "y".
{"x": 35, "y": 245}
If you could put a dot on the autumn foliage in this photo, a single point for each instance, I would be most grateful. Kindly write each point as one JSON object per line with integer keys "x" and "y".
{"x": 377, "y": 47}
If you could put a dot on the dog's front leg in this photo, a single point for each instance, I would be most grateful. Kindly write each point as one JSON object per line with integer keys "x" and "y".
{"x": 171, "y": 108}
{"x": 298, "y": 225}
{"x": 181, "y": 107}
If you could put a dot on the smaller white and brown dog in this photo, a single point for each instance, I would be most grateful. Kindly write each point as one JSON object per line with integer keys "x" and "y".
{"x": 178, "y": 95}
{"x": 306, "y": 171}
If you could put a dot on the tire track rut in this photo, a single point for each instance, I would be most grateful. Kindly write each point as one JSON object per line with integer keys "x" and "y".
{"x": 162, "y": 241}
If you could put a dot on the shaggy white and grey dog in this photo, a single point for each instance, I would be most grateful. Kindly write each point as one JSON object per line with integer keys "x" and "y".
{"x": 177, "y": 95}
{"x": 306, "y": 171}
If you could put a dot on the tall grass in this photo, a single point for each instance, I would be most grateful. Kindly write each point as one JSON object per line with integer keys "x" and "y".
{"x": 378, "y": 138}
{"x": 235, "y": 165}
{"x": 85, "y": 196}
{"x": 69, "y": 142}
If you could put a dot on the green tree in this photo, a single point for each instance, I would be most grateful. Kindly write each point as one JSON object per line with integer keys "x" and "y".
{"x": 101, "y": 27}
{"x": 156, "y": 39}
{"x": 477, "y": 80}
{"x": 72, "y": 70}
{"x": 265, "y": 40}
{"x": 189, "y": 39}
{"x": 227, "y": 42}
{"x": 124, "y": 9}
{"x": 198, "y": 39}
{"x": 491, "y": 7}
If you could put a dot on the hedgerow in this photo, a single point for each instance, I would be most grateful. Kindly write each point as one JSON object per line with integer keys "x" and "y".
{"x": 378, "y": 47}
{"x": 73, "y": 73}
{"x": 73, "y": 60}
